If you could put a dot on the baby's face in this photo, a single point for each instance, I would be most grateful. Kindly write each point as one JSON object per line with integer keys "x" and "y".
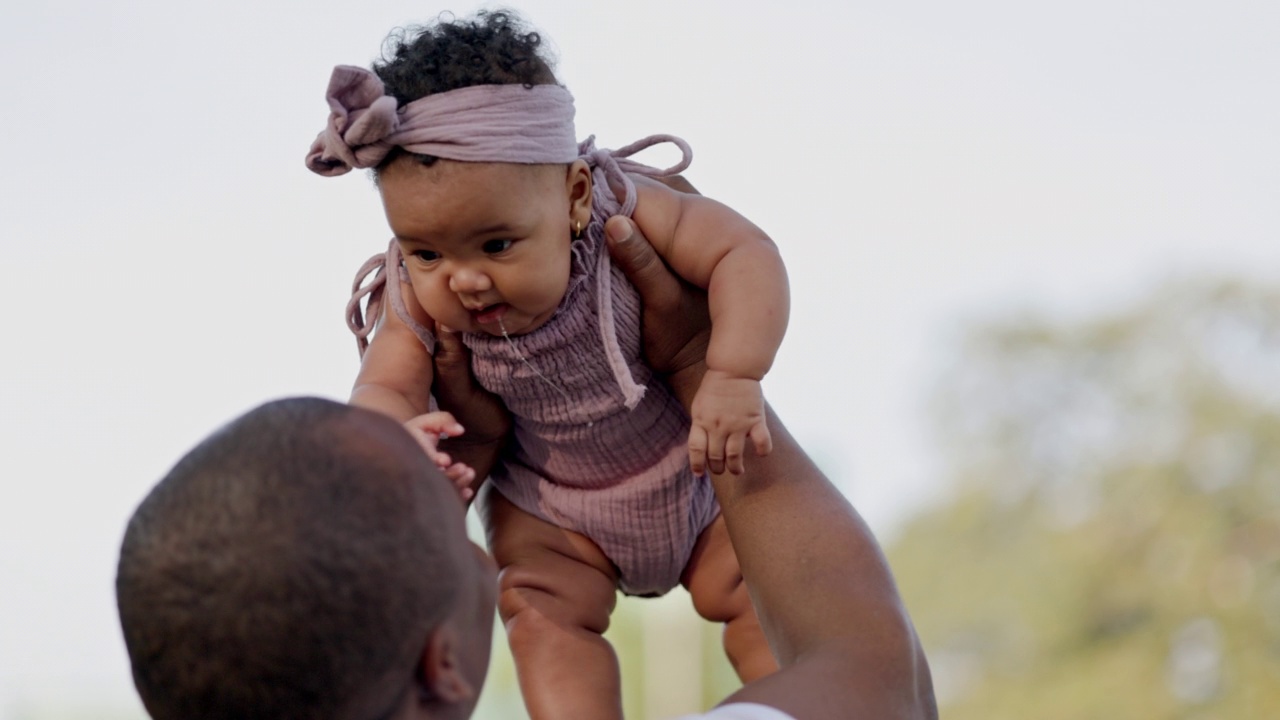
{"x": 486, "y": 244}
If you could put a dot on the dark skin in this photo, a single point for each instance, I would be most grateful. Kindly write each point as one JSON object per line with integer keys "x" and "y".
{"x": 820, "y": 584}
{"x": 676, "y": 333}
{"x": 548, "y": 621}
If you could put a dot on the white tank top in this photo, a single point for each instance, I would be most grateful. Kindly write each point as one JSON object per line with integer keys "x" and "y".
{"x": 741, "y": 711}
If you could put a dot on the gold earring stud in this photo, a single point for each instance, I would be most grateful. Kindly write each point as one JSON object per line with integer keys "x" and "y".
{"x": 577, "y": 229}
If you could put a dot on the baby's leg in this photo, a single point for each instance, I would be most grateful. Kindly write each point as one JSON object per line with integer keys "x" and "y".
{"x": 556, "y": 591}
{"x": 714, "y": 580}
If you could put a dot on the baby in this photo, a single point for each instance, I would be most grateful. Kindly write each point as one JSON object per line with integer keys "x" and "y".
{"x": 498, "y": 216}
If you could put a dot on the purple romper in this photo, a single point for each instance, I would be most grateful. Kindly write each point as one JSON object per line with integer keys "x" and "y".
{"x": 599, "y": 447}
{"x": 581, "y": 458}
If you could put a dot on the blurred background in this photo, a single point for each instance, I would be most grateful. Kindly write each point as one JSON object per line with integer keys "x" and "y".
{"x": 1035, "y": 263}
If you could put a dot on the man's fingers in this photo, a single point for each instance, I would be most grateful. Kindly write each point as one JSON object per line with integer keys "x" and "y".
{"x": 447, "y": 340}
{"x": 452, "y": 363}
{"x": 637, "y": 258}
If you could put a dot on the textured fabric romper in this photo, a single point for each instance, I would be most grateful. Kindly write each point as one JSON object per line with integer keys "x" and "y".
{"x": 599, "y": 447}
{"x": 583, "y": 459}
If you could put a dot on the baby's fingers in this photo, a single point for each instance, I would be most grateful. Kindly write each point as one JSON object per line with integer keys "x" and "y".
{"x": 461, "y": 475}
{"x": 697, "y": 450}
{"x": 428, "y": 429}
{"x": 715, "y": 452}
{"x": 733, "y": 447}
{"x": 427, "y": 441}
{"x": 761, "y": 438}
{"x": 436, "y": 423}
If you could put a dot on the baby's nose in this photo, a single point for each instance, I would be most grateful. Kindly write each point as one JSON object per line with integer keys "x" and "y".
{"x": 469, "y": 280}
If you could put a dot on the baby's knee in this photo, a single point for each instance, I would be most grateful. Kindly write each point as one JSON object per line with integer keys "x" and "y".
{"x": 529, "y": 601}
{"x": 714, "y": 580}
{"x": 723, "y": 600}
{"x": 525, "y": 620}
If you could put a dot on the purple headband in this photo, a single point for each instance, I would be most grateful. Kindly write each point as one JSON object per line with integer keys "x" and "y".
{"x": 482, "y": 123}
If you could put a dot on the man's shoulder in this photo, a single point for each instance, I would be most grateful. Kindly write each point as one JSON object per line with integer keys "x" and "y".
{"x": 741, "y": 711}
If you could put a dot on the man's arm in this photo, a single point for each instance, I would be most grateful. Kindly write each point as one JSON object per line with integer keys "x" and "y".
{"x": 713, "y": 247}
{"x": 824, "y": 593}
{"x": 817, "y": 578}
{"x": 487, "y": 422}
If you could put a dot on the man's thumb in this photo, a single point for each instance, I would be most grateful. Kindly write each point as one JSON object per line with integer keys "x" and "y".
{"x": 629, "y": 251}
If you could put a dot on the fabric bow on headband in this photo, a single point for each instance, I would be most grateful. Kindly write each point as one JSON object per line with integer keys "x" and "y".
{"x": 482, "y": 123}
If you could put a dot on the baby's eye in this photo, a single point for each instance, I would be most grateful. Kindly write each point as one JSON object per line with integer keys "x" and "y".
{"x": 426, "y": 255}
{"x": 493, "y": 247}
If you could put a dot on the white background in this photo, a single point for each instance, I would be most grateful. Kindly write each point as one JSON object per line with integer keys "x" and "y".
{"x": 168, "y": 262}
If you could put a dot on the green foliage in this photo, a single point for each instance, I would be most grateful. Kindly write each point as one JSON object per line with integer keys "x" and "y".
{"x": 1113, "y": 546}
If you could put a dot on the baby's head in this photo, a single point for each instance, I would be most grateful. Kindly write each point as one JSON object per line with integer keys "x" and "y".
{"x": 492, "y": 48}
{"x": 486, "y": 244}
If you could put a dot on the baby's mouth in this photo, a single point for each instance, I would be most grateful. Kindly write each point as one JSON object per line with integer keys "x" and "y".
{"x": 489, "y": 314}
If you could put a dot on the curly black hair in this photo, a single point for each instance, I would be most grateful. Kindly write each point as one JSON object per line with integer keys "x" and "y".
{"x": 495, "y": 47}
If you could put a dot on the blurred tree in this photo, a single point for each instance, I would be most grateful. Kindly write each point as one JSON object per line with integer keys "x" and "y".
{"x": 1112, "y": 547}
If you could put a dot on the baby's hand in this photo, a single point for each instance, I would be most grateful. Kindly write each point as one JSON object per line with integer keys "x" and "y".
{"x": 726, "y": 411}
{"x": 428, "y": 429}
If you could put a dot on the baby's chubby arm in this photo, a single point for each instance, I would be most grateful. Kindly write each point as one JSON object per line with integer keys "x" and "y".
{"x": 396, "y": 371}
{"x": 395, "y": 379}
{"x": 713, "y": 247}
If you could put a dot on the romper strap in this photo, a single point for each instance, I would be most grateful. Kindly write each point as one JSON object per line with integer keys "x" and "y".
{"x": 363, "y": 321}
{"x": 613, "y": 165}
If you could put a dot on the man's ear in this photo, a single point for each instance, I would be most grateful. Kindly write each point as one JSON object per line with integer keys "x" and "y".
{"x": 578, "y": 185}
{"x": 440, "y": 674}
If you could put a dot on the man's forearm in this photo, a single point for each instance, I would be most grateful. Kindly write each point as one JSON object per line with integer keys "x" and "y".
{"x": 684, "y": 383}
{"x": 822, "y": 588}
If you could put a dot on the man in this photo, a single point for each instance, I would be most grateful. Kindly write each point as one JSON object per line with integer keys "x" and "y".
{"x": 308, "y": 561}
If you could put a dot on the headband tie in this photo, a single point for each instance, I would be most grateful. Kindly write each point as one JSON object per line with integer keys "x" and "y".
{"x": 482, "y": 123}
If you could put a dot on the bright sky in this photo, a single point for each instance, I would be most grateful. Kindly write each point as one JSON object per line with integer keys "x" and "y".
{"x": 170, "y": 263}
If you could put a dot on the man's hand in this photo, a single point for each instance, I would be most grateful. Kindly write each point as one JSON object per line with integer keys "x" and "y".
{"x": 455, "y": 389}
{"x": 675, "y": 322}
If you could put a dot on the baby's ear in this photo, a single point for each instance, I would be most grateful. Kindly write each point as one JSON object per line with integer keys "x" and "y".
{"x": 578, "y": 186}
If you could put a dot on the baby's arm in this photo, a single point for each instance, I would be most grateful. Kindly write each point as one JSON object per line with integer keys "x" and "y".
{"x": 395, "y": 379}
{"x": 711, "y": 246}
{"x": 429, "y": 429}
{"x": 396, "y": 370}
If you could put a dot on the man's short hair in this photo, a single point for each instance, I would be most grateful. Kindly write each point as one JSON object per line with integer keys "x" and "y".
{"x": 283, "y": 566}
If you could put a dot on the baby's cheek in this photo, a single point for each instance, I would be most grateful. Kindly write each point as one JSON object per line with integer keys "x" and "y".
{"x": 439, "y": 302}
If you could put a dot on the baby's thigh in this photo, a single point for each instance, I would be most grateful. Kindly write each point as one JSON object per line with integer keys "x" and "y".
{"x": 560, "y": 572}
{"x": 713, "y": 576}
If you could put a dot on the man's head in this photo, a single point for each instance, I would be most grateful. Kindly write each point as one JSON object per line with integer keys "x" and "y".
{"x": 307, "y": 560}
